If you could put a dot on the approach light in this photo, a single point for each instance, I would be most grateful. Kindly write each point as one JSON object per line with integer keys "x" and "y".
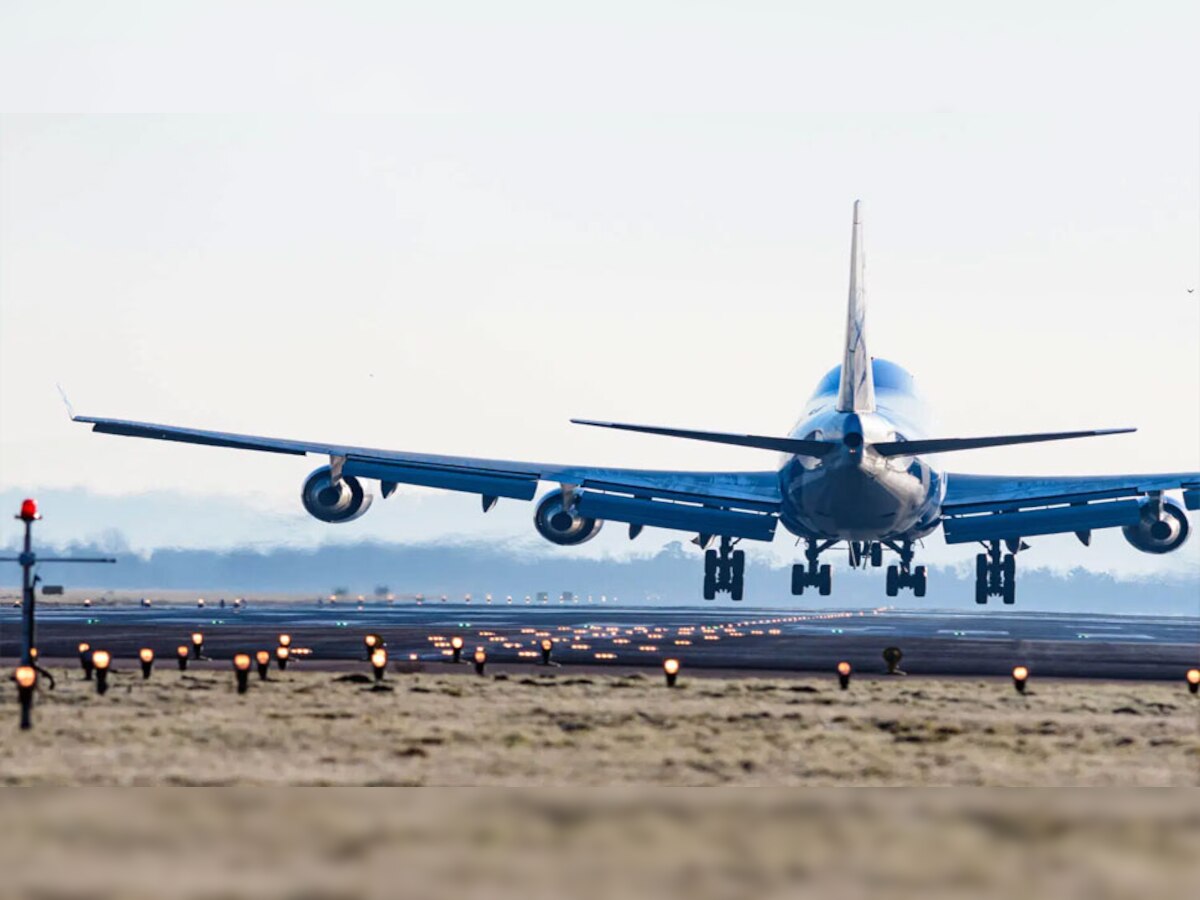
{"x": 456, "y": 645}
{"x": 281, "y": 656}
{"x": 547, "y": 646}
{"x": 26, "y": 679}
{"x": 85, "y": 660}
{"x": 181, "y": 654}
{"x": 671, "y": 670}
{"x": 844, "y": 670}
{"x": 480, "y": 660}
{"x": 200, "y": 603}
{"x": 101, "y": 660}
{"x": 379, "y": 663}
{"x": 1019, "y": 676}
{"x": 263, "y": 659}
{"x": 146, "y": 656}
{"x": 29, "y": 510}
{"x": 285, "y": 640}
{"x": 198, "y": 643}
{"x": 241, "y": 669}
{"x": 1193, "y": 680}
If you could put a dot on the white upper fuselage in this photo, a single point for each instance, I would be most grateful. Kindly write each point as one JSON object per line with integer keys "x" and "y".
{"x": 853, "y": 493}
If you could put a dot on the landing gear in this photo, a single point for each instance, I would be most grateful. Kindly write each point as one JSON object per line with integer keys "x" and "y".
{"x": 724, "y": 570}
{"x": 996, "y": 574}
{"x": 814, "y": 575}
{"x": 906, "y": 575}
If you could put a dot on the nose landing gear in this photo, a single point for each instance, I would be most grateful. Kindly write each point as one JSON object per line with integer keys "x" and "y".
{"x": 819, "y": 577}
{"x": 724, "y": 570}
{"x": 906, "y": 575}
{"x": 996, "y": 574}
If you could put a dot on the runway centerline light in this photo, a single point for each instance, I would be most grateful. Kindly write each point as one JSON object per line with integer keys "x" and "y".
{"x": 85, "y": 660}
{"x": 146, "y": 657}
{"x": 263, "y": 659}
{"x": 1020, "y": 675}
{"x": 844, "y": 670}
{"x": 101, "y": 660}
{"x": 26, "y": 679}
{"x": 480, "y": 660}
{"x": 379, "y": 659}
{"x": 456, "y": 645}
{"x": 1193, "y": 680}
{"x": 281, "y": 656}
{"x": 671, "y": 670}
{"x": 241, "y": 668}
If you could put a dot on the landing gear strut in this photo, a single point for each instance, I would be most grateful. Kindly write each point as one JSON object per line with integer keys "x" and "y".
{"x": 820, "y": 577}
{"x": 724, "y": 570}
{"x": 905, "y": 575}
{"x": 996, "y": 574}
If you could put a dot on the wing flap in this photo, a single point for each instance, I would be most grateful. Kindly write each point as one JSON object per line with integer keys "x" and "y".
{"x": 760, "y": 442}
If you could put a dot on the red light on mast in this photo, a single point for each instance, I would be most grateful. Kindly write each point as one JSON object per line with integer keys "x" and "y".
{"x": 29, "y": 510}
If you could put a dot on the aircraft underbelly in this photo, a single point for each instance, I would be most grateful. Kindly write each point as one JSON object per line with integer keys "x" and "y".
{"x": 855, "y": 503}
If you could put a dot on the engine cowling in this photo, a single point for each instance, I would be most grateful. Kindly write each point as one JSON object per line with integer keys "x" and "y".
{"x": 559, "y": 525}
{"x": 329, "y": 502}
{"x": 1159, "y": 533}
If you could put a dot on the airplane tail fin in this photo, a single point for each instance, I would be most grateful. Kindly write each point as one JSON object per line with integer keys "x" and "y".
{"x": 856, "y": 391}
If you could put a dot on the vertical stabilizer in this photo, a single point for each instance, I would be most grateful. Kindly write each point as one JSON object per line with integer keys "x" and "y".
{"x": 856, "y": 391}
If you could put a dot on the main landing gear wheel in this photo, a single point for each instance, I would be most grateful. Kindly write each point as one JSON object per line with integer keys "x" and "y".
{"x": 813, "y": 575}
{"x": 725, "y": 570}
{"x": 996, "y": 574}
{"x": 905, "y": 576}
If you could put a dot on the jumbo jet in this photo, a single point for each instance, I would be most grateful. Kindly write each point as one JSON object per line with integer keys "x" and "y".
{"x": 853, "y": 473}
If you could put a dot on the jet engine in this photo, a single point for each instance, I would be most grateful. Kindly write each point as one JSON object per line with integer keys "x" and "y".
{"x": 560, "y": 525}
{"x": 329, "y": 502}
{"x": 1159, "y": 532}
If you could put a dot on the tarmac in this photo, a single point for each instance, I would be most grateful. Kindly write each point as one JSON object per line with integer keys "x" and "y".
{"x": 725, "y": 639}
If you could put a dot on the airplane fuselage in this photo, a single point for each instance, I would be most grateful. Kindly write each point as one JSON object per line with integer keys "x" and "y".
{"x": 854, "y": 493}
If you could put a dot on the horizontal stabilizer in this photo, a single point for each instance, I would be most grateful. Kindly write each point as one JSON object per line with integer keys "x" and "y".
{"x": 946, "y": 445}
{"x": 783, "y": 445}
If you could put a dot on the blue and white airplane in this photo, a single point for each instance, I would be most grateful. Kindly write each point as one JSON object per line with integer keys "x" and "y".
{"x": 852, "y": 472}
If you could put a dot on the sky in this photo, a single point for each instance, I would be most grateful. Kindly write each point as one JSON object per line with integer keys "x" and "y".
{"x": 451, "y": 229}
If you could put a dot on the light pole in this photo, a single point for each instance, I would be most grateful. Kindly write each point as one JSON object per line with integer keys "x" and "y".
{"x": 27, "y": 560}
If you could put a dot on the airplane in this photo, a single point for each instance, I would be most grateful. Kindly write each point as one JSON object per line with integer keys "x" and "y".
{"x": 852, "y": 471}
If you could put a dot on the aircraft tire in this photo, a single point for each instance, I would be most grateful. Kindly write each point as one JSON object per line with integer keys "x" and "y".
{"x": 921, "y": 581}
{"x": 876, "y": 555}
{"x": 798, "y": 580}
{"x": 893, "y": 581}
{"x": 825, "y": 581}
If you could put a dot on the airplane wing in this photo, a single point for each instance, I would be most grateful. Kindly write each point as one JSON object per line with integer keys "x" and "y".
{"x": 703, "y": 502}
{"x": 996, "y": 507}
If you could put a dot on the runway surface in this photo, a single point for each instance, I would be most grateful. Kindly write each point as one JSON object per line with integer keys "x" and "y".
{"x": 740, "y": 638}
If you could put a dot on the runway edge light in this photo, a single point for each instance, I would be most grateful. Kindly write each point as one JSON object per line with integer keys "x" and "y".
{"x": 26, "y": 679}
{"x": 146, "y": 657}
{"x": 241, "y": 668}
{"x": 1020, "y": 675}
{"x": 85, "y": 660}
{"x": 843, "y": 671}
{"x": 1193, "y": 680}
{"x": 671, "y": 670}
{"x": 379, "y": 659}
{"x": 480, "y": 660}
{"x": 182, "y": 652}
{"x": 101, "y": 660}
{"x": 263, "y": 658}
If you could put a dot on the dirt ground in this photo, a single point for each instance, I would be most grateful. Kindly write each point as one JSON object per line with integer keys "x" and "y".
{"x": 577, "y": 729}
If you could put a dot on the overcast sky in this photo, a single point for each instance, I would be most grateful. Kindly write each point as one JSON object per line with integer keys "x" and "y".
{"x": 452, "y": 232}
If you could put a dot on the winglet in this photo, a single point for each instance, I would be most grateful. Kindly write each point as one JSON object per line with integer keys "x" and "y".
{"x": 66, "y": 401}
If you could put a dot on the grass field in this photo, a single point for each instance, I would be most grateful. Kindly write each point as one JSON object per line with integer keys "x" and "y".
{"x": 575, "y": 728}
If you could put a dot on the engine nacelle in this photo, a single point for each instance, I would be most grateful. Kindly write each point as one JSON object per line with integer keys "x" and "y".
{"x": 559, "y": 525}
{"x": 1159, "y": 534}
{"x": 329, "y": 502}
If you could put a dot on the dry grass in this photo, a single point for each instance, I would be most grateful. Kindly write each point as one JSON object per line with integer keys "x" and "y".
{"x": 569, "y": 728}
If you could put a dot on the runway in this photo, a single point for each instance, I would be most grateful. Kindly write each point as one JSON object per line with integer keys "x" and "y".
{"x": 711, "y": 637}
